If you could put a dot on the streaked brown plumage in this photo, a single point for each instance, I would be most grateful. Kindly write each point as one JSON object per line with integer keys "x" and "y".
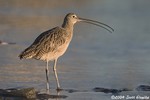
{"x": 52, "y": 44}
{"x": 49, "y": 42}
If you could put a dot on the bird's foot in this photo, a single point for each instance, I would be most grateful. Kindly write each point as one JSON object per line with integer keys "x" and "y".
{"x": 59, "y": 89}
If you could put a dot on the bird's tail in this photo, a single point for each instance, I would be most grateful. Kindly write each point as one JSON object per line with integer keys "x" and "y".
{"x": 27, "y": 54}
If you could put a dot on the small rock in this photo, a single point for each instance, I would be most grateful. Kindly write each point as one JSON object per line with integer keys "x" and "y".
{"x": 6, "y": 43}
{"x": 106, "y": 90}
{"x": 143, "y": 88}
{"x": 28, "y": 93}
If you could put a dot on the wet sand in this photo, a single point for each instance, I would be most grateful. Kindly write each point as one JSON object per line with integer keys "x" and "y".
{"x": 32, "y": 94}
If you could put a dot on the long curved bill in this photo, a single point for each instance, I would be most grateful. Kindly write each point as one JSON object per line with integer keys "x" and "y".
{"x": 100, "y": 24}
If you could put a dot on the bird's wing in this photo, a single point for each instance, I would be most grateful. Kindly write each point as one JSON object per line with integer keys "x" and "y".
{"x": 46, "y": 42}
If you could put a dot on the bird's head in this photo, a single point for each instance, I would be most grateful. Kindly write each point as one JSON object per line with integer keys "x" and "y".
{"x": 72, "y": 18}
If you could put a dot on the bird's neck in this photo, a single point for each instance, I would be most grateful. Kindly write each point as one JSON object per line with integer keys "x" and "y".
{"x": 68, "y": 27}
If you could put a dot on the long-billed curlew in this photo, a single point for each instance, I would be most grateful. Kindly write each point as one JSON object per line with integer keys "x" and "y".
{"x": 52, "y": 44}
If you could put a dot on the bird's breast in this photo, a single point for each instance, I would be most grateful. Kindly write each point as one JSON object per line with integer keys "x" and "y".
{"x": 57, "y": 52}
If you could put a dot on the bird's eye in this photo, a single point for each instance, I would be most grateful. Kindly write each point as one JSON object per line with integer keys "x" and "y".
{"x": 73, "y": 16}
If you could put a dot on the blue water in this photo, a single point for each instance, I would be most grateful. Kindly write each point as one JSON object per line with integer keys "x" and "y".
{"x": 95, "y": 58}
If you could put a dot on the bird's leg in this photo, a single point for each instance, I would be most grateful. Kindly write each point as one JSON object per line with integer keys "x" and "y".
{"x": 47, "y": 79}
{"x": 55, "y": 72}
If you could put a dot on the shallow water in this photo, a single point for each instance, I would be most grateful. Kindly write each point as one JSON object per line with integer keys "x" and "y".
{"x": 95, "y": 57}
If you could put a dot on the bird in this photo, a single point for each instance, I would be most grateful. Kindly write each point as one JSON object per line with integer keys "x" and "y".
{"x": 53, "y": 43}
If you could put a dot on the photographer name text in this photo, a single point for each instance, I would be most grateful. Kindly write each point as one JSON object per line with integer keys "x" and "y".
{"x": 129, "y": 97}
